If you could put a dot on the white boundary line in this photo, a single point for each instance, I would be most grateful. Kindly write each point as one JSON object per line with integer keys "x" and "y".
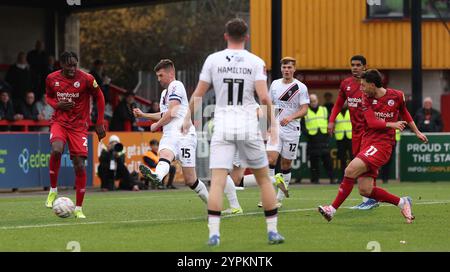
{"x": 184, "y": 219}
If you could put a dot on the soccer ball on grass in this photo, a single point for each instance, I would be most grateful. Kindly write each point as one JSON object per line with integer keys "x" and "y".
{"x": 63, "y": 207}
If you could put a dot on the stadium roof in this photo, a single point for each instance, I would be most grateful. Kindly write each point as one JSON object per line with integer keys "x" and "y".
{"x": 81, "y": 5}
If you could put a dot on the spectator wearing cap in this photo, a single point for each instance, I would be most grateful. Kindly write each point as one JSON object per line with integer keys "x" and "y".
{"x": 112, "y": 167}
{"x": 428, "y": 119}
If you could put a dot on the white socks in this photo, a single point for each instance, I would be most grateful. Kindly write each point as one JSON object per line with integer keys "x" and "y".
{"x": 401, "y": 203}
{"x": 213, "y": 225}
{"x": 162, "y": 169}
{"x": 230, "y": 193}
{"x": 54, "y": 190}
{"x": 200, "y": 188}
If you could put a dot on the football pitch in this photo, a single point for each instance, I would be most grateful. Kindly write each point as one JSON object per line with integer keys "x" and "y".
{"x": 175, "y": 220}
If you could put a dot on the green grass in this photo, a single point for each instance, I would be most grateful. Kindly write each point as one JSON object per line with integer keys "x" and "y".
{"x": 175, "y": 220}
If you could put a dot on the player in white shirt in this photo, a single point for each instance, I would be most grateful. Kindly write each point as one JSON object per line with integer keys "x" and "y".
{"x": 291, "y": 100}
{"x": 173, "y": 145}
{"x": 235, "y": 74}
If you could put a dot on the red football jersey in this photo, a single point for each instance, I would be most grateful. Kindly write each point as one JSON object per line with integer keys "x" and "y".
{"x": 79, "y": 90}
{"x": 350, "y": 90}
{"x": 386, "y": 108}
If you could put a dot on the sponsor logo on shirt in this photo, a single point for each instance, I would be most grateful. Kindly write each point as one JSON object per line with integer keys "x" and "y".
{"x": 384, "y": 115}
{"x": 353, "y": 101}
{"x": 63, "y": 96}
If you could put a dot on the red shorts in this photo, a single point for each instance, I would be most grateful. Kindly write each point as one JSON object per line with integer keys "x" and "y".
{"x": 77, "y": 140}
{"x": 374, "y": 156}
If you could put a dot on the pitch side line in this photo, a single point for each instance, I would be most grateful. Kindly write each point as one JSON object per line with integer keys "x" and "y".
{"x": 185, "y": 219}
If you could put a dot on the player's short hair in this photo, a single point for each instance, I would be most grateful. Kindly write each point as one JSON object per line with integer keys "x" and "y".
{"x": 373, "y": 76}
{"x": 361, "y": 58}
{"x": 236, "y": 29}
{"x": 65, "y": 57}
{"x": 287, "y": 60}
{"x": 154, "y": 142}
{"x": 164, "y": 64}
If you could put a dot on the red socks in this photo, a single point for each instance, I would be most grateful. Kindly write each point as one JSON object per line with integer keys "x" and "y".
{"x": 80, "y": 184}
{"x": 383, "y": 196}
{"x": 345, "y": 189}
{"x": 54, "y": 165}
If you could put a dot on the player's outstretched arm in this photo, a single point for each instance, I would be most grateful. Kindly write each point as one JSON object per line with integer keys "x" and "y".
{"x": 167, "y": 116}
{"x": 408, "y": 118}
{"x": 151, "y": 116}
{"x": 200, "y": 91}
{"x": 98, "y": 95}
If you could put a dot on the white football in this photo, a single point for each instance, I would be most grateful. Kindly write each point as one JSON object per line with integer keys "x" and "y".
{"x": 63, "y": 207}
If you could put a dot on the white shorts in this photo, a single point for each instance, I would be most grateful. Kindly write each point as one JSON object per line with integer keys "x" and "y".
{"x": 236, "y": 159}
{"x": 287, "y": 145}
{"x": 183, "y": 147}
{"x": 251, "y": 154}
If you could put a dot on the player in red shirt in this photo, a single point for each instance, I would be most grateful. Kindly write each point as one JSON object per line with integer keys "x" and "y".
{"x": 381, "y": 108}
{"x": 69, "y": 91}
{"x": 350, "y": 91}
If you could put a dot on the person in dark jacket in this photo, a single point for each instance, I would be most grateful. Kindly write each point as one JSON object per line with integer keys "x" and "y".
{"x": 112, "y": 167}
{"x": 7, "y": 110}
{"x": 38, "y": 61}
{"x": 29, "y": 109}
{"x": 19, "y": 77}
{"x": 427, "y": 118}
{"x": 123, "y": 118}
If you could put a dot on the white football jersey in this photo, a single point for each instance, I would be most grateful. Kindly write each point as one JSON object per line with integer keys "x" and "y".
{"x": 175, "y": 91}
{"x": 232, "y": 73}
{"x": 288, "y": 99}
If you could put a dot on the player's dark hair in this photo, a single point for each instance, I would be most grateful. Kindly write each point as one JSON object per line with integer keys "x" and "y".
{"x": 287, "y": 60}
{"x": 361, "y": 58}
{"x": 154, "y": 142}
{"x": 65, "y": 57}
{"x": 373, "y": 76}
{"x": 236, "y": 28}
{"x": 164, "y": 64}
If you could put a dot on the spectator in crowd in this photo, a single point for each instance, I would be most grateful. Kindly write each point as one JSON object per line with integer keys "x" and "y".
{"x": 315, "y": 127}
{"x": 102, "y": 80}
{"x": 343, "y": 136}
{"x": 123, "y": 118}
{"x": 151, "y": 159}
{"x": 409, "y": 104}
{"x": 38, "y": 61}
{"x": 45, "y": 110}
{"x": 51, "y": 66}
{"x": 19, "y": 77}
{"x": 328, "y": 102}
{"x": 112, "y": 167}
{"x": 29, "y": 109}
{"x": 7, "y": 110}
{"x": 154, "y": 108}
{"x": 5, "y": 86}
{"x": 428, "y": 119}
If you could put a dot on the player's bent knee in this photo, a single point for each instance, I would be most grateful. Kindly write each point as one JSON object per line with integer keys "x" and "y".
{"x": 365, "y": 191}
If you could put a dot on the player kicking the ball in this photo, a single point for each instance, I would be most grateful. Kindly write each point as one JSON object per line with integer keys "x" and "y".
{"x": 381, "y": 108}
{"x": 69, "y": 91}
{"x": 235, "y": 74}
{"x": 173, "y": 145}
